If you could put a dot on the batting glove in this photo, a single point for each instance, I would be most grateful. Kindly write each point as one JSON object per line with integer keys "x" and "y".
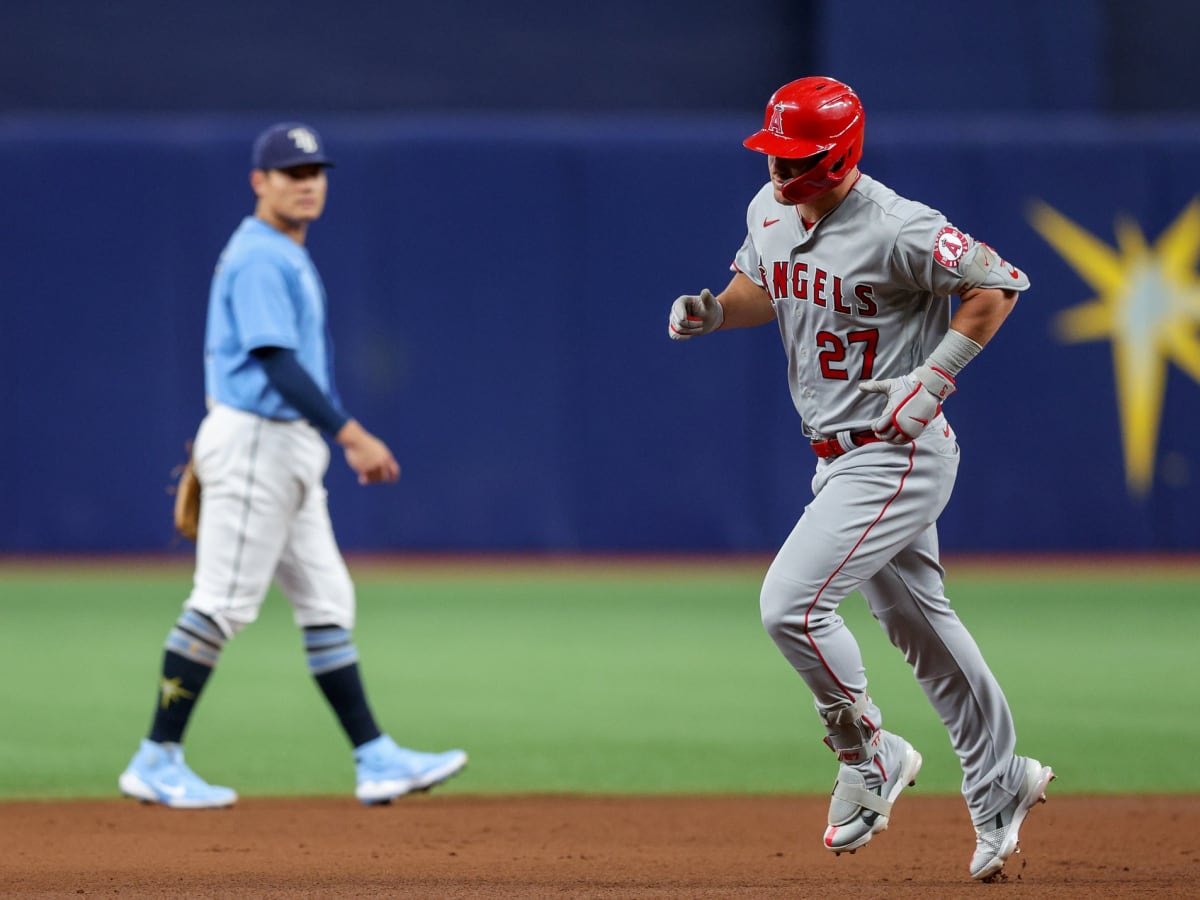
{"x": 692, "y": 315}
{"x": 913, "y": 401}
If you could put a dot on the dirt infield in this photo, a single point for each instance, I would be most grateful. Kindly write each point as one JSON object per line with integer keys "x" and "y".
{"x": 583, "y": 847}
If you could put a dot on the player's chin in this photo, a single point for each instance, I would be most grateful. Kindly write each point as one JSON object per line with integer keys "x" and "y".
{"x": 779, "y": 198}
{"x": 307, "y": 212}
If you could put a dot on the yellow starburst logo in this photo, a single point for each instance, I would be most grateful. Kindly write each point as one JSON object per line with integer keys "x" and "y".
{"x": 171, "y": 689}
{"x": 1147, "y": 305}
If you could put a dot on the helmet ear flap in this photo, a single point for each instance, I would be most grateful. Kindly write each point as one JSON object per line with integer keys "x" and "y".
{"x": 849, "y": 159}
{"x": 844, "y": 161}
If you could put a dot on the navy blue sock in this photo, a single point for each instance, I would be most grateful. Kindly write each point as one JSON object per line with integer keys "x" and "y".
{"x": 193, "y": 647}
{"x": 333, "y": 661}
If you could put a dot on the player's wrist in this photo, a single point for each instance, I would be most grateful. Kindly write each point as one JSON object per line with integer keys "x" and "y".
{"x": 953, "y": 353}
{"x": 350, "y": 433}
{"x": 942, "y": 366}
{"x": 936, "y": 381}
{"x": 718, "y": 314}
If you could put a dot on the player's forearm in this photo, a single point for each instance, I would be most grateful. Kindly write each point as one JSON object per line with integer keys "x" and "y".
{"x": 297, "y": 387}
{"x": 745, "y": 304}
{"x": 982, "y": 312}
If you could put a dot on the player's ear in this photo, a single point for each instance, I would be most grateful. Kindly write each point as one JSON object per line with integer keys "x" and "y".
{"x": 257, "y": 179}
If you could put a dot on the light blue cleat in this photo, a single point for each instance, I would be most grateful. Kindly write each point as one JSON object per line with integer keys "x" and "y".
{"x": 158, "y": 774}
{"x": 386, "y": 770}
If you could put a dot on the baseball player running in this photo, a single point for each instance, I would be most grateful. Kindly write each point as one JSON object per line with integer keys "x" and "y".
{"x": 859, "y": 281}
{"x": 261, "y": 460}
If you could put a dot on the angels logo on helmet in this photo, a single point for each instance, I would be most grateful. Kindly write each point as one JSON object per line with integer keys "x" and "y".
{"x": 777, "y": 119}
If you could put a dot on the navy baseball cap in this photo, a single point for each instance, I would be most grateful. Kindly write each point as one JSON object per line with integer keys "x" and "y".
{"x": 289, "y": 144}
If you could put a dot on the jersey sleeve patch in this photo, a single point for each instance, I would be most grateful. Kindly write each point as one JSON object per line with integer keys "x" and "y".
{"x": 949, "y": 247}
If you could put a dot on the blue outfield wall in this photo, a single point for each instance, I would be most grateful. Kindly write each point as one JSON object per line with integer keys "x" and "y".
{"x": 499, "y": 290}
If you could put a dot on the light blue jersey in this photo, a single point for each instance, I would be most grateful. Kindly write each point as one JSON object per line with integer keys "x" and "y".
{"x": 265, "y": 293}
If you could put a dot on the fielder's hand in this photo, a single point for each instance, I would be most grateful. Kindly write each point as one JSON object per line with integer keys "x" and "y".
{"x": 913, "y": 401}
{"x": 692, "y": 315}
{"x": 367, "y": 455}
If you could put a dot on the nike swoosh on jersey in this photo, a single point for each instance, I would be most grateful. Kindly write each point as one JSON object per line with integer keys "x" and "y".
{"x": 767, "y": 223}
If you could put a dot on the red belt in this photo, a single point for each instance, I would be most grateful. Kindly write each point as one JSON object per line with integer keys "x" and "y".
{"x": 833, "y": 447}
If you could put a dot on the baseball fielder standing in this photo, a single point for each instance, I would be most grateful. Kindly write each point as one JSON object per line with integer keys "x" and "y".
{"x": 859, "y": 281}
{"x": 261, "y": 462}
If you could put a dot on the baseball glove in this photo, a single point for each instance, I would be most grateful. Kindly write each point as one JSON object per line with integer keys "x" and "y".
{"x": 187, "y": 500}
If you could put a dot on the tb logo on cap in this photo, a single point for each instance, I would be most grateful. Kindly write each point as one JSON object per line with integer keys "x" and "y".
{"x": 304, "y": 140}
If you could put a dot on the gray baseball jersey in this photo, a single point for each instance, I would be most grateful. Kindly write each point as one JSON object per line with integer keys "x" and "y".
{"x": 865, "y": 294}
{"x": 862, "y": 294}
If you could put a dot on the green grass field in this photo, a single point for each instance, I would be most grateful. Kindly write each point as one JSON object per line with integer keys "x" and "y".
{"x": 606, "y": 677}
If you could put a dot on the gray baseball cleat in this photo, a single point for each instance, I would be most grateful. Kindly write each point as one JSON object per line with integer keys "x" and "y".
{"x": 996, "y": 841}
{"x": 863, "y": 794}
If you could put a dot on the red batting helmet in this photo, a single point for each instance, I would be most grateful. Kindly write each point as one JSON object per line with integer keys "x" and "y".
{"x": 807, "y": 117}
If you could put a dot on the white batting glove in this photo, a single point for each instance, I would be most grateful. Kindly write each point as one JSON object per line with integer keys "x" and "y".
{"x": 692, "y": 315}
{"x": 913, "y": 401}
